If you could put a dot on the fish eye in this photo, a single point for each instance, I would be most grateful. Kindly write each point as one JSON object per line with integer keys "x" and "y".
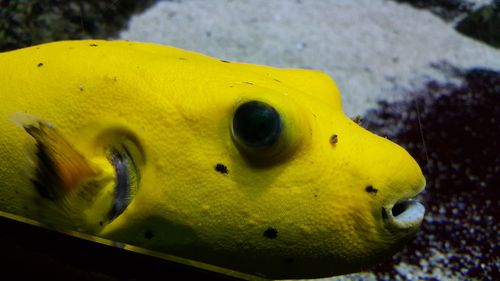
{"x": 256, "y": 125}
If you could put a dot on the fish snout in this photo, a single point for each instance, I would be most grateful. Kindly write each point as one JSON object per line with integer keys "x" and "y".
{"x": 397, "y": 179}
{"x": 402, "y": 211}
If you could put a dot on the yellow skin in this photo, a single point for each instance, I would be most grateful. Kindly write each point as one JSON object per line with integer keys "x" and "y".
{"x": 300, "y": 208}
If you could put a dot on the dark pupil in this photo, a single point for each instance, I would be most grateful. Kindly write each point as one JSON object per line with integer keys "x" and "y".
{"x": 256, "y": 124}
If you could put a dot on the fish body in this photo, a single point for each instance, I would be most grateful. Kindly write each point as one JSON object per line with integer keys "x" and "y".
{"x": 248, "y": 167}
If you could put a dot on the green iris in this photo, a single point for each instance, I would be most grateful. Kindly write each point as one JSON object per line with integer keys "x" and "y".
{"x": 256, "y": 124}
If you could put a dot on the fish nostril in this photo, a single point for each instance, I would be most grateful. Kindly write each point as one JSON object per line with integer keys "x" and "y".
{"x": 399, "y": 208}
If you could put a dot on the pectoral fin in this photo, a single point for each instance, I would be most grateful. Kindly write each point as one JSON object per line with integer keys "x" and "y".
{"x": 75, "y": 192}
{"x": 78, "y": 192}
{"x": 60, "y": 168}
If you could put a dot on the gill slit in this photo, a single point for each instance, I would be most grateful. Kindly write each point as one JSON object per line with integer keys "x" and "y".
{"x": 126, "y": 178}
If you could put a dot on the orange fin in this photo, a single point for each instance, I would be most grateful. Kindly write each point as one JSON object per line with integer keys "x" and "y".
{"x": 60, "y": 167}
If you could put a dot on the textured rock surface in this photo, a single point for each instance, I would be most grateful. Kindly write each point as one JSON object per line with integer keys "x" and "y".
{"x": 478, "y": 19}
{"x": 448, "y": 10}
{"x": 483, "y": 24}
{"x": 28, "y": 22}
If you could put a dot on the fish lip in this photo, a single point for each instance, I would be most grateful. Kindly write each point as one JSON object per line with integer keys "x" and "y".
{"x": 407, "y": 213}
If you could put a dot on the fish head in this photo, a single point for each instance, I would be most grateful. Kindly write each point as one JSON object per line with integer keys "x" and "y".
{"x": 262, "y": 172}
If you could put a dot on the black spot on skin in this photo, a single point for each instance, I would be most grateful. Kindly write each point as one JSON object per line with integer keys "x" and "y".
{"x": 289, "y": 260}
{"x": 93, "y": 45}
{"x": 371, "y": 189}
{"x": 101, "y": 223}
{"x": 221, "y": 168}
{"x": 182, "y": 59}
{"x": 277, "y": 80}
{"x": 271, "y": 233}
{"x": 40, "y": 64}
{"x": 148, "y": 234}
{"x": 315, "y": 195}
{"x": 249, "y": 83}
{"x": 225, "y": 61}
{"x": 334, "y": 139}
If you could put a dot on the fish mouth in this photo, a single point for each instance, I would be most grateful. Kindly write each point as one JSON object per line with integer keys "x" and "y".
{"x": 405, "y": 214}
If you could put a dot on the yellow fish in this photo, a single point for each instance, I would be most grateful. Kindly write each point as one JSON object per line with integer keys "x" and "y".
{"x": 243, "y": 166}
